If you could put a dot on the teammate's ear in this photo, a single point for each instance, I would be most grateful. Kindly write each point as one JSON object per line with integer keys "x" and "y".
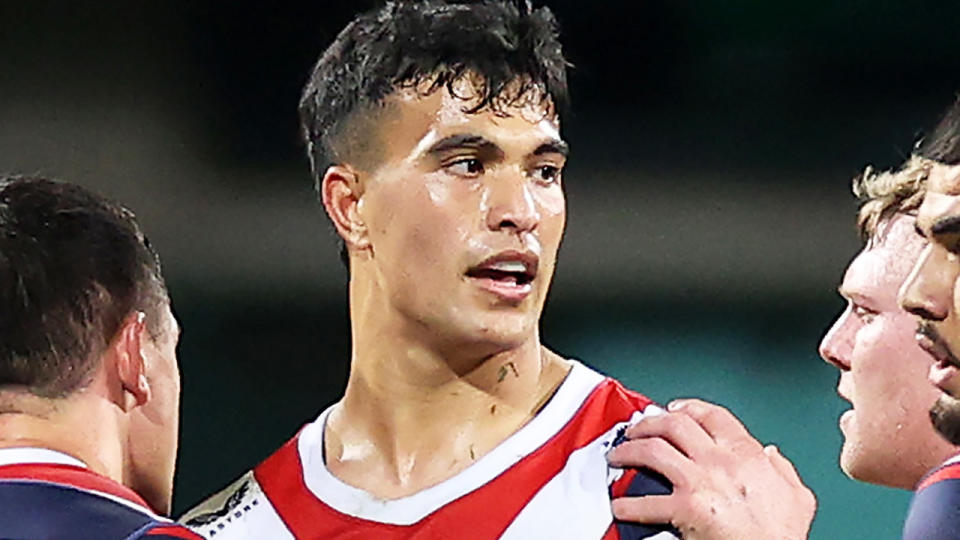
{"x": 131, "y": 365}
{"x": 341, "y": 191}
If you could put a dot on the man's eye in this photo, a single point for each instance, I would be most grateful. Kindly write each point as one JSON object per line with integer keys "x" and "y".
{"x": 466, "y": 167}
{"x": 864, "y": 314}
{"x": 547, "y": 174}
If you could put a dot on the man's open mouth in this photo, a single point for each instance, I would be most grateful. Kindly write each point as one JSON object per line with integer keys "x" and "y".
{"x": 508, "y": 268}
{"x": 506, "y": 272}
{"x": 507, "y": 275}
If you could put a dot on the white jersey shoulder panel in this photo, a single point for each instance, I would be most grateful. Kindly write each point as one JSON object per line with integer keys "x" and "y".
{"x": 240, "y": 511}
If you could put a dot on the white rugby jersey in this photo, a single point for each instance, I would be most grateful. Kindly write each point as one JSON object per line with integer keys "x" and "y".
{"x": 549, "y": 480}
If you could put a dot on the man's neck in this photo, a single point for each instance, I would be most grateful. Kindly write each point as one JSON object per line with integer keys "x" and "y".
{"x": 67, "y": 426}
{"x": 408, "y": 420}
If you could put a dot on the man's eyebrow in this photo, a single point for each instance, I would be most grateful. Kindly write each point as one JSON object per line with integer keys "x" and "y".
{"x": 845, "y": 292}
{"x": 555, "y": 146}
{"x": 947, "y": 225}
{"x": 853, "y": 295}
{"x": 464, "y": 140}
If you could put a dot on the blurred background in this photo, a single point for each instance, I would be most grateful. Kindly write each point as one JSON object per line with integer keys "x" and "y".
{"x": 709, "y": 223}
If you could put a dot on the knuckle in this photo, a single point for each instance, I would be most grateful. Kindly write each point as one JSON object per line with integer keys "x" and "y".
{"x": 672, "y": 424}
{"x": 714, "y": 414}
{"x": 699, "y": 507}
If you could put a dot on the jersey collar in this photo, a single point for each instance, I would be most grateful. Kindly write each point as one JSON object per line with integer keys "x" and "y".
{"x": 50, "y": 466}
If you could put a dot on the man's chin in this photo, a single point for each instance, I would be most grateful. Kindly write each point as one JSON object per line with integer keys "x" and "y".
{"x": 945, "y": 416}
{"x": 873, "y": 466}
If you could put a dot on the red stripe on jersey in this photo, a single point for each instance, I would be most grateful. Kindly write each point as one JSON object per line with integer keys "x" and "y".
{"x": 483, "y": 513}
{"x": 947, "y": 472}
{"x": 612, "y": 533}
{"x": 69, "y": 475}
{"x": 176, "y": 531}
{"x": 619, "y": 487}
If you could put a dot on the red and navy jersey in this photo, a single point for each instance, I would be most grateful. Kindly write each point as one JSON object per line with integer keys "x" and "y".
{"x": 46, "y": 495}
{"x": 549, "y": 480}
{"x": 935, "y": 509}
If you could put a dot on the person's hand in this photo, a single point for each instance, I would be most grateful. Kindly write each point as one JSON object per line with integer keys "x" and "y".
{"x": 726, "y": 484}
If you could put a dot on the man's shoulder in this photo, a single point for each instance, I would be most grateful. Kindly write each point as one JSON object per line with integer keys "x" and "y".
{"x": 948, "y": 473}
{"x": 613, "y": 397}
{"x": 935, "y": 509}
{"x": 241, "y": 510}
{"x": 38, "y": 509}
{"x": 617, "y": 392}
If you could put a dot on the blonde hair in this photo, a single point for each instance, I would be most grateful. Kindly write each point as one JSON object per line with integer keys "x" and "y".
{"x": 886, "y": 193}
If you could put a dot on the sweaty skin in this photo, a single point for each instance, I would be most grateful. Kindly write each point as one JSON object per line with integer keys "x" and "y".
{"x": 931, "y": 292}
{"x": 888, "y": 439}
{"x": 452, "y": 189}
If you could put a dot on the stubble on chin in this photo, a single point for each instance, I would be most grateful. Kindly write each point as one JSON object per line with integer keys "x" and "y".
{"x": 945, "y": 416}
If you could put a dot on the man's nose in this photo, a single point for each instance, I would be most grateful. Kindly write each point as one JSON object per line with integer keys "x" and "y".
{"x": 837, "y": 345}
{"x": 928, "y": 290}
{"x": 511, "y": 204}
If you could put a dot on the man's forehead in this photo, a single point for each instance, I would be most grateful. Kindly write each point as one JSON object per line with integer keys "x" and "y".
{"x": 884, "y": 264}
{"x": 941, "y": 202}
{"x": 441, "y": 107}
{"x": 944, "y": 179}
{"x": 937, "y": 209}
{"x": 424, "y": 120}
{"x": 874, "y": 273}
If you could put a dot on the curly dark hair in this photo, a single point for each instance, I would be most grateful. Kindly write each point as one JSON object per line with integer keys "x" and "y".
{"x": 73, "y": 266}
{"x": 513, "y": 50}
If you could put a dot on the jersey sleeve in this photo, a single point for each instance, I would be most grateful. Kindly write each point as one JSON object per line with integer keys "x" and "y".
{"x": 935, "y": 509}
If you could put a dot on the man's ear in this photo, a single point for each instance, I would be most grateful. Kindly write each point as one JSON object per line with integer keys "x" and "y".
{"x": 131, "y": 365}
{"x": 341, "y": 191}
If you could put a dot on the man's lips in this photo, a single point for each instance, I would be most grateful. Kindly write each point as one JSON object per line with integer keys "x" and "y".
{"x": 946, "y": 366}
{"x": 508, "y": 274}
{"x": 930, "y": 341}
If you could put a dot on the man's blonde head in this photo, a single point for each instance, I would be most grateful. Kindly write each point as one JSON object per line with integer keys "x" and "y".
{"x": 887, "y": 193}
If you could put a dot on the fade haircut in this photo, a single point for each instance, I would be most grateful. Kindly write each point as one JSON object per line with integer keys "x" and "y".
{"x": 73, "y": 266}
{"x": 887, "y": 193}
{"x": 510, "y": 51}
{"x": 943, "y": 143}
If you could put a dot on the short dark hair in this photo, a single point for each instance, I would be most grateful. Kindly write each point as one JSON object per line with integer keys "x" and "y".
{"x": 943, "y": 143}
{"x": 405, "y": 44}
{"x": 512, "y": 48}
{"x": 73, "y": 266}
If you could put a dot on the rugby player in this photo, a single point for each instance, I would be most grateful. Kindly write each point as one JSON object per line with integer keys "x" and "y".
{"x": 931, "y": 292}
{"x": 89, "y": 384}
{"x": 871, "y": 343}
{"x": 434, "y": 138}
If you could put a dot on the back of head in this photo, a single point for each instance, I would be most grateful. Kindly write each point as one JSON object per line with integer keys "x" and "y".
{"x": 73, "y": 265}
{"x": 508, "y": 49}
{"x": 943, "y": 143}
